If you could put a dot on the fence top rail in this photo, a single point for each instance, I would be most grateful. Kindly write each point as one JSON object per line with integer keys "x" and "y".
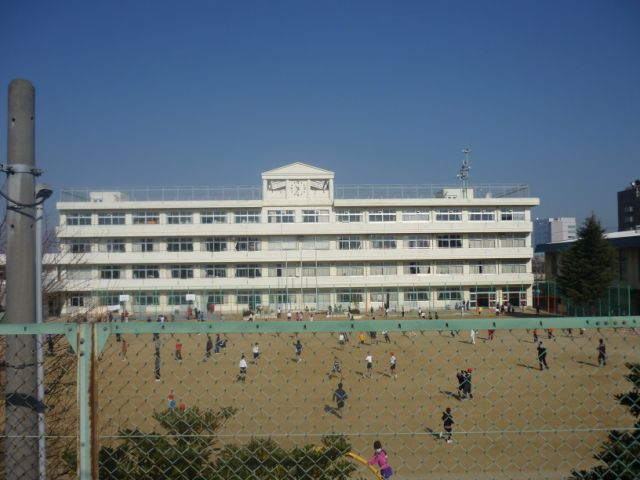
{"x": 404, "y": 324}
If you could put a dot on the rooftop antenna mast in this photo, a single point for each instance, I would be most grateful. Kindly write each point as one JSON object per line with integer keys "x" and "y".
{"x": 464, "y": 171}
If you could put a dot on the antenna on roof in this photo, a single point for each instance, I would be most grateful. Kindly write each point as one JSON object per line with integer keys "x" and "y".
{"x": 464, "y": 171}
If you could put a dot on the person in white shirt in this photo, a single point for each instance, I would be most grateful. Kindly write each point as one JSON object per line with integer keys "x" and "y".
{"x": 392, "y": 366}
{"x": 369, "y": 360}
{"x": 472, "y": 334}
{"x": 243, "y": 369}
{"x": 256, "y": 353}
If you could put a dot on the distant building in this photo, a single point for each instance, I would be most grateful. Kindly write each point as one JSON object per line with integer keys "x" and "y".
{"x": 627, "y": 246}
{"x": 552, "y": 230}
{"x": 629, "y": 207}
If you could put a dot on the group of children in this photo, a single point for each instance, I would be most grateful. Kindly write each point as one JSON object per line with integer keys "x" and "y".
{"x": 340, "y": 396}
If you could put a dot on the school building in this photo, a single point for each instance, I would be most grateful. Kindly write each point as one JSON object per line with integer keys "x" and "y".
{"x": 298, "y": 241}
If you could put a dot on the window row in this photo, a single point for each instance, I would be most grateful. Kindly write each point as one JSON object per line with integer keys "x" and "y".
{"x": 252, "y": 244}
{"x": 284, "y": 296}
{"x": 249, "y": 270}
{"x": 342, "y": 215}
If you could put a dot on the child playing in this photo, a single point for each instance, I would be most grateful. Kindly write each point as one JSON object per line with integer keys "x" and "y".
{"x": 337, "y": 369}
{"x": 380, "y": 458}
{"x": 298, "y": 346}
{"x": 447, "y": 420}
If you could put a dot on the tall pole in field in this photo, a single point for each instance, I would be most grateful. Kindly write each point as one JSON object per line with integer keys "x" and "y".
{"x": 22, "y": 405}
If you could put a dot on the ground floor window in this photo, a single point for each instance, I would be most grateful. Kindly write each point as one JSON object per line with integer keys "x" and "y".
{"x": 446, "y": 294}
{"x": 417, "y": 295}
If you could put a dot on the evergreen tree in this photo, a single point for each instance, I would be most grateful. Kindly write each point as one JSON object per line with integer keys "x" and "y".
{"x": 185, "y": 451}
{"x": 587, "y": 268}
{"x": 621, "y": 452}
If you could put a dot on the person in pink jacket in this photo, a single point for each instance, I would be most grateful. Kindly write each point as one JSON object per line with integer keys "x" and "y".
{"x": 380, "y": 458}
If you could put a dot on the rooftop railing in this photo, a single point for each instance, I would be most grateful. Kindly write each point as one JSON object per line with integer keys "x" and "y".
{"x": 254, "y": 192}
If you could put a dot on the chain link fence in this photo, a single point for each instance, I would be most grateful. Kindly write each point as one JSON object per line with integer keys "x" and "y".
{"x": 240, "y": 400}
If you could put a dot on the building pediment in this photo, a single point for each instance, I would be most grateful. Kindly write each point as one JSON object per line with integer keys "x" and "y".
{"x": 298, "y": 170}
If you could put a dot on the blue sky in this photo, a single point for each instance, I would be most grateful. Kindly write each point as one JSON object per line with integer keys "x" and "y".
{"x": 212, "y": 93}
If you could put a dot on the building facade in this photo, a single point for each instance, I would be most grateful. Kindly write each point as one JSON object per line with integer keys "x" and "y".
{"x": 548, "y": 230}
{"x": 298, "y": 241}
{"x": 629, "y": 207}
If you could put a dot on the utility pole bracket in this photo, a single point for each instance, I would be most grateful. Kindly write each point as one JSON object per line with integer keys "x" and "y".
{"x": 20, "y": 168}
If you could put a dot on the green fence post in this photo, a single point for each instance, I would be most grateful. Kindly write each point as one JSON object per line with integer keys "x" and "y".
{"x": 85, "y": 355}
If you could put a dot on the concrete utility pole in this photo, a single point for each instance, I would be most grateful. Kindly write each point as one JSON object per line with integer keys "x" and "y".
{"x": 22, "y": 405}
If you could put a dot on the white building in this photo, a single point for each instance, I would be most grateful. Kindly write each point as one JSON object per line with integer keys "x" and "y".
{"x": 299, "y": 241}
{"x": 552, "y": 230}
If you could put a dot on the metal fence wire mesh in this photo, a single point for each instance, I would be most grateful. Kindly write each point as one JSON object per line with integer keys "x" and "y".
{"x": 60, "y": 409}
{"x": 174, "y": 400}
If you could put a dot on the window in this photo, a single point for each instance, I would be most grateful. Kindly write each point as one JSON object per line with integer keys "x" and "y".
{"x": 348, "y": 216}
{"x": 280, "y": 298}
{"x": 78, "y": 219}
{"x": 179, "y": 218}
{"x": 177, "y": 299}
{"x": 144, "y": 245}
{"x": 79, "y": 245}
{"x": 417, "y": 295}
{"x": 215, "y": 271}
{"x": 79, "y": 273}
{"x": 247, "y": 244}
{"x": 382, "y": 215}
{"x": 76, "y": 301}
{"x": 216, "y": 299}
{"x": 415, "y": 215}
{"x": 111, "y": 218}
{"x": 146, "y": 298}
{"x": 283, "y": 244}
{"x": 281, "y": 216}
{"x": 313, "y": 271}
{"x": 514, "y": 214}
{"x": 248, "y": 297}
{"x": 110, "y": 272}
{"x": 315, "y": 216}
{"x": 280, "y": 270}
{"x": 416, "y": 268}
{"x": 181, "y": 271}
{"x": 482, "y": 215}
{"x": 146, "y": 271}
{"x": 383, "y": 242}
{"x": 349, "y": 243}
{"x": 247, "y": 216}
{"x": 146, "y": 218}
{"x": 179, "y": 244}
{"x": 215, "y": 244}
{"x": 383, "y": 269}
{"x": 215, "y": 216}
{"x": 449, "y": 269}
{"x": 349, "y": 296}
{"x": 482, "y": 242}
{"x": 482, "y": 268}
{"x": 315, "y": 243}
{"x": 417, "y": 242}
{"x": 449, "y": 241}
{"x": 514, "y": 268}
{"x": 248, "y": 270}
{"x": 113, "y": 245}
{"x": 383, "y": 296}
{"x": 448, "y": 215}
{"x": 513, "y": 241}
{"x": 108, "y": 299}
{"x": 348, "y": 270}
{"x": 449, "y": 294}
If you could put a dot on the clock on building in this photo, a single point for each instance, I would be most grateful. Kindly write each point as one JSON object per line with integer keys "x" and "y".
{"x": 298, "y": 188}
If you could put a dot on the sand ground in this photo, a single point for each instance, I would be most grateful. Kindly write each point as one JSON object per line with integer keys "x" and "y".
{"x": 522, "y": 422}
